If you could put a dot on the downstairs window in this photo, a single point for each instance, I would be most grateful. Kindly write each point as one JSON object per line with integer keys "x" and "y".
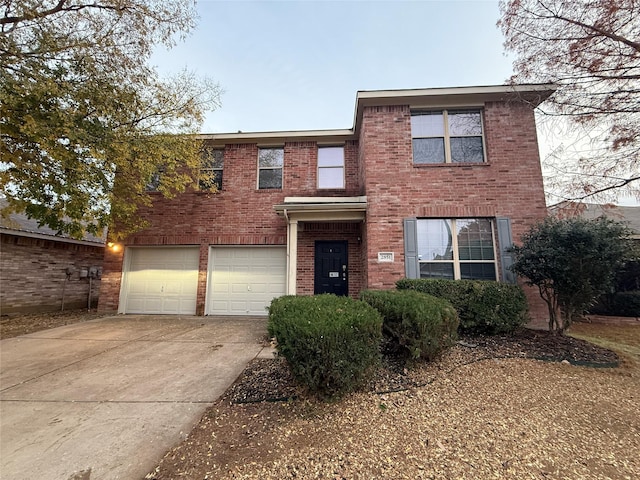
{"x": 462, "y": 248}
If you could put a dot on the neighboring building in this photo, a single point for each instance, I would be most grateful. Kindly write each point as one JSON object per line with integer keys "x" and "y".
{"x": 428, "y": 182}
{"x": 629, "y": 215}
{"x": 42, "y": 271}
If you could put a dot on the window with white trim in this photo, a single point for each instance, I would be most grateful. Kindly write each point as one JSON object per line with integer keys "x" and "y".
{"x": 211, "y": 168}
{"x": 447, "y": 136}
{"x": 330, "y": 167}
{"x": 270, "y": 163}
{"x": 462, "y": 248}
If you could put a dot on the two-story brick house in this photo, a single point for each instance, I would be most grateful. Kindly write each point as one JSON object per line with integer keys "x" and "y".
{"x": 428, "y": 183}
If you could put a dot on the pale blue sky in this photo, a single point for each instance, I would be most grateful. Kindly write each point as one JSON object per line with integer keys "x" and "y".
{"x": 297, "y": 65}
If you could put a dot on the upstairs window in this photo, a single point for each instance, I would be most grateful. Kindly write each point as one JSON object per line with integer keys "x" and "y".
{"x": 270, "y": 163}
{"x": 153, "y": 184}
{"x": 456, "y": 249}
{"x": 211, "y": 168}
{"x": 331, "y": 167}
{"x": 447, "y": 136}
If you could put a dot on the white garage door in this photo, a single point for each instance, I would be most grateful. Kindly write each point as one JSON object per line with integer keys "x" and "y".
{"x": 160, "y": 280}
{"x": 244, "y": 280}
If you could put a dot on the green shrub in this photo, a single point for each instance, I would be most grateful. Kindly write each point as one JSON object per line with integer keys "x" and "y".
{"x": 330, "y": 342}
{"x": 483, "y": 307}
{"x": 422, "y": 324}
{"x": 623, "y": 304}
{"x": 626, "y": 304}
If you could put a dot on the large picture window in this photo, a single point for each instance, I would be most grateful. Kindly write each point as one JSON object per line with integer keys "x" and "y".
{"x": 447, "y": 136}
{"x": 270, "y": 163}
{"x": 331, "y": 167}
{"x": 456, "y": 249}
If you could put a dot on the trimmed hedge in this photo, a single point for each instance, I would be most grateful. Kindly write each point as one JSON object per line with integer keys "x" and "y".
{"x": 484, "y": 307}
{"x": 330, "y": 342}
{"x": 422, "y": 324}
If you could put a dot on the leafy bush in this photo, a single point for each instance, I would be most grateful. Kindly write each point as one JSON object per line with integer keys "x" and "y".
{"x": 627, "y": 304}
{"x": 330, "y": 342}
{"x": 623, "y": 304}
{"x": 572, "y": 261}
{"x": 483, "y": 307}
{"x": 422, "y": 324}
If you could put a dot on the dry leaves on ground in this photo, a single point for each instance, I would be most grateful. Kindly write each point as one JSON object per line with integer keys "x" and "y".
{"x": 16, "y": 325}
{"x": 480, "y": 411}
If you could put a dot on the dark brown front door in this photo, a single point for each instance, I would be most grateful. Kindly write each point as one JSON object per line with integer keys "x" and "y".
{"x": 331, "y": 268}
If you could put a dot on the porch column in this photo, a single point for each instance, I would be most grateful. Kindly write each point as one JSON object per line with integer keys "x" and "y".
{"x": 292, "y": 256}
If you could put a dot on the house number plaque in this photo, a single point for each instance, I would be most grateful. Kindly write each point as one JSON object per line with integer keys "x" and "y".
{"x": 385, "y": 257}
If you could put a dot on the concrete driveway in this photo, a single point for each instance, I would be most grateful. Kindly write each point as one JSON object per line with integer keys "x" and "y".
{"x": 105, "y": 399}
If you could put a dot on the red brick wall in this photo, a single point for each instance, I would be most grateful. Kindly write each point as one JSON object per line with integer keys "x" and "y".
{"x": 508, "y": 185}
{"x": 111, "y": 280}
{"x": 32, "y": 274}
{"x": 240, "y": 214}
{"x": 378, "y": 165}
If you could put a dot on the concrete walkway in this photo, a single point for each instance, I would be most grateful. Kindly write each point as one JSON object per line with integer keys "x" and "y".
{"x": 105, "y": 399}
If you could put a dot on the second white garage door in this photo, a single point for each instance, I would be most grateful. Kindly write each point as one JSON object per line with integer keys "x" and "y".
{"x": 244, "y": 280}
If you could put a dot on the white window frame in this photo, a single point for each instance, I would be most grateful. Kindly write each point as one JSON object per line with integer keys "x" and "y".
{"x": 454, "y": 246}
{"x": 281, "y": 168}
{"x": 331, "y": 167}
{"x": 447, "y": 137}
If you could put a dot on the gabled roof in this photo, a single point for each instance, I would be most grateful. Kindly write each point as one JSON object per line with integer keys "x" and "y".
{"x": 449, "y": 97}
{"x": 21, "y": 225}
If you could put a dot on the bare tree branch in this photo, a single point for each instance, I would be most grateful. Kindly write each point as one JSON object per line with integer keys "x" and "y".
{"x": 590, "y": 49}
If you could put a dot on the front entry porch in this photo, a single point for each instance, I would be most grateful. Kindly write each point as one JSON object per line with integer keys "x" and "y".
{"x": 325, "y": 244}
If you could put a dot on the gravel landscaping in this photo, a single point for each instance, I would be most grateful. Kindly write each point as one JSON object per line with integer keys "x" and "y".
{"x": 523, "y": 406}
{"x": 488, "y": 408}
{"x": 15, "y": 325}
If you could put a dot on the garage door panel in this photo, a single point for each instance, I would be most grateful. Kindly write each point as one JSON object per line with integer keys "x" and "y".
{"x": 240, "y": 288}
{"x": 259, "y": 306}
{"x": 238, "y": 307}
{"x": 172, "y": 304}
{"x": 161, "y": 280}
{"x": 275, "y": 289}
{"x": 136, "y": 304}
{"x": 259, "y": 288}
{"x": 137, "y": 288}
{"x": 173, "y": 288}
{"x": 221, "y": 289}
{"x": 244, "y": 280}
{"x": 220, "y": 306}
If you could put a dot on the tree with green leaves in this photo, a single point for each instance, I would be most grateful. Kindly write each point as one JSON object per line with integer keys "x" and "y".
{"x": 591, "y": 50}
{"x": 572, "y": 261}
{"x": 80, "y": 106}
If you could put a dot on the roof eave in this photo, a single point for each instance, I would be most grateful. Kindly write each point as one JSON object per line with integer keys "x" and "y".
{"x": 279, "y": 138}
{"x": 532, "y": 94}
{"x": 44, "y": 236}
